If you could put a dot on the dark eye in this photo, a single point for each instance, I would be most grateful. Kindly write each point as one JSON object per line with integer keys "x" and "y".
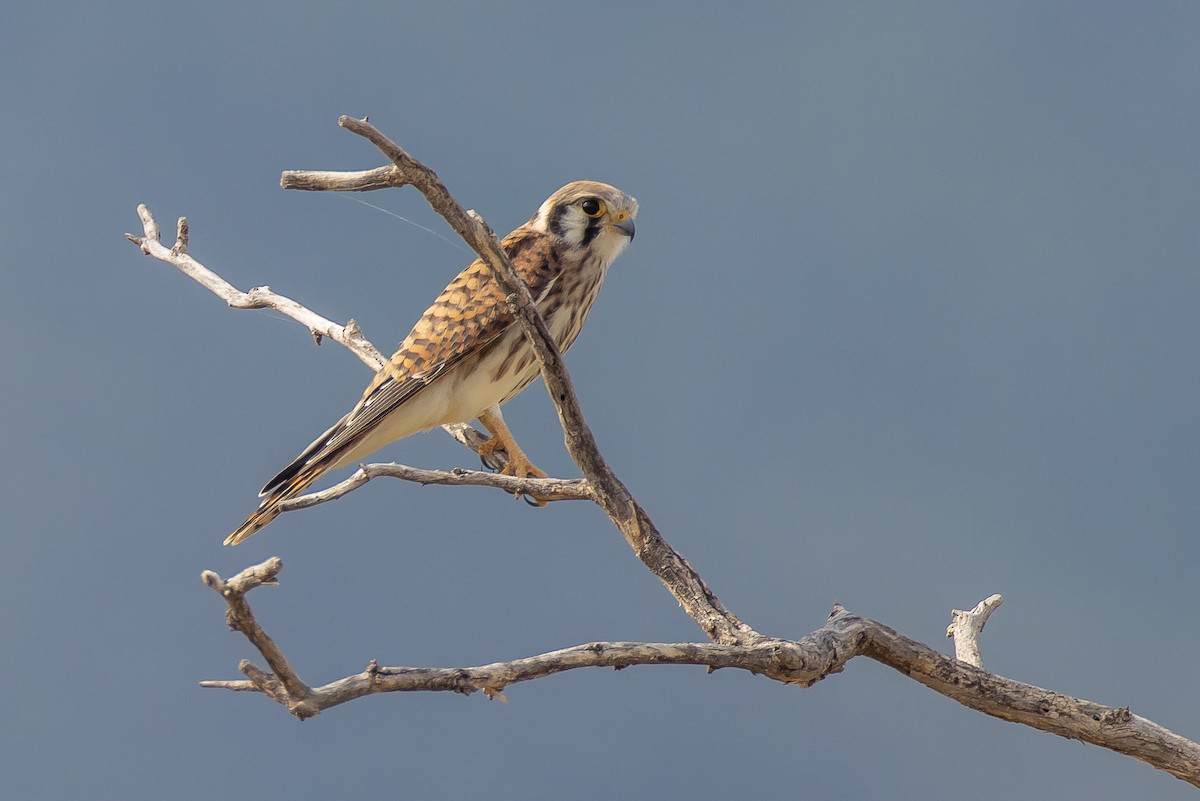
{"x": 592, "y": 207}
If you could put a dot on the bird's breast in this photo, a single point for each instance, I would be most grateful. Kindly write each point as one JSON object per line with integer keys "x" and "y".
{"x": 566, "y": 304}
{"x": 505, "y": 367}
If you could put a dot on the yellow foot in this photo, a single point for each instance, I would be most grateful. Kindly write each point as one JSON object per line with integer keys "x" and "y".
{"x": 518, "y": 464}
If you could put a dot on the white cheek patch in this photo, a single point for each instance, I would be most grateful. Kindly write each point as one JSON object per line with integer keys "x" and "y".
{"x": 574, "y": 228}
{"x": 608, "y": 245}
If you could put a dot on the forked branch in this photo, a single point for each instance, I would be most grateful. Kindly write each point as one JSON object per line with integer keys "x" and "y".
{"x": 680, "y": 579}
{"x": 258, "y": 298}
{"x": 697, "y": 599}
{"x": 799, "y": 662}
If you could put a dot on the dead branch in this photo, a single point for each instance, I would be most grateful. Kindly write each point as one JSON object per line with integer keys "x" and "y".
{"x": 260, "y": 297}
{"x": 680, "y": 579}
{"x": 547, "y": 489}
{"x": 799, "y": 662}
{"x": 966, "y": 627}
{"x": 284, "y": 686}
{"x": 348, "y": 335}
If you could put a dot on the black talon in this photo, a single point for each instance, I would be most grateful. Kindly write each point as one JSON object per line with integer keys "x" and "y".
{"x": 486, "y": 464}
{"x": 529, "y": 499}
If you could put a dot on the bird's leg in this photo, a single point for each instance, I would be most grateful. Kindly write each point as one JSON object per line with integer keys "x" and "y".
{"x": 502, "y": 440}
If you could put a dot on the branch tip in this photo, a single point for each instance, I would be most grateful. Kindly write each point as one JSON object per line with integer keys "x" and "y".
{"x": 478, "y": 218}
{"x": 149, "y": 224}
{"x": 966, "y": 627}
{"x": 213, "y": 580}
{"x": 181, "y": 237}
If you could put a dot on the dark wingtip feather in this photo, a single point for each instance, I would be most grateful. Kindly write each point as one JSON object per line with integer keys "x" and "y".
{"x": 283, "y": 476}
{"x": 301, "y": 462}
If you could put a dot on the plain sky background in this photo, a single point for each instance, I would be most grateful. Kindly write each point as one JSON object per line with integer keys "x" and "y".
{"x": 912, "y": 317}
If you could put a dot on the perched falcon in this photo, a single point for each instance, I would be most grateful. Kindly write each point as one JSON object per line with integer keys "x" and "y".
{"x": 466, "y": 355}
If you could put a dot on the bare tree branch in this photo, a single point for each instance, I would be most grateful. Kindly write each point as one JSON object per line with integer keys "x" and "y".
{"x": 697, "y": 599}
{"x": 546, "y": 489}
{"x": 348, "y": 335}
{"x": 285, "y": 685}
{"x": 324, "y": 181}
{"x": 680, "y": 579}
{"x": 261, "y": 297}
{"x": 1115, "y": 728}
{"x": 801, "y": 662}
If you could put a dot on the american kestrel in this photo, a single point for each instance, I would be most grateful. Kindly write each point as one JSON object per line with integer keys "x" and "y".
{"x": 466, "y": 355}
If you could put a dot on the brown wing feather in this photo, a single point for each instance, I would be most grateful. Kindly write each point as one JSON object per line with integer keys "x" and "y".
{"x": 469, "y": 313}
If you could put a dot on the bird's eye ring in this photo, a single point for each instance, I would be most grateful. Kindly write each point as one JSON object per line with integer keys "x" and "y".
{"x": 592, "y": 207}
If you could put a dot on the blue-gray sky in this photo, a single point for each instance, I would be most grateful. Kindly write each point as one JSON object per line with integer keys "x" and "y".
{"x": 911, "y": 318}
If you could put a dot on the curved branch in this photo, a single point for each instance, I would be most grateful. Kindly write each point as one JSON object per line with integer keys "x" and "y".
{"x": 348, "y": 335}
{"x": 679, "y": 577}
{"x": 1114, "y": 728}
{"x": 261, "y": 297}
{"x": 546, "y": 489}
{"x": 801, "y": 662}
{"x": 495, "y": 677}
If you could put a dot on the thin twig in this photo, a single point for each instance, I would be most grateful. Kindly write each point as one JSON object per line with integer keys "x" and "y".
{"x": 261, "y": 297}
{"x": 348, "y": 335}
{"x": 547, "y": 489}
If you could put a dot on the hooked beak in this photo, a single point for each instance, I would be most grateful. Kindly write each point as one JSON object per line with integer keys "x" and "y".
{"x": 626, "y": 227}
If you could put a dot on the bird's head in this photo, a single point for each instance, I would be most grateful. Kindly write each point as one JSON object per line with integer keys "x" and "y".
{"x": 589, "y": 215}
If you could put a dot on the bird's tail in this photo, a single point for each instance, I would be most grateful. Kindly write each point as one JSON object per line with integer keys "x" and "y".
{"x": 269, "y": 509}
{"x": 316, "y": 460}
